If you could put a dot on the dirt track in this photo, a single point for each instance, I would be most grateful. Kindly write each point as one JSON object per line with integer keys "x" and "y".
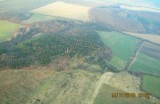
{"x": 103, "y": 79}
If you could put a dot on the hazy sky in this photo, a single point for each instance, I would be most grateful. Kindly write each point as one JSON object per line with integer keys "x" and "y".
{"x": 146, "y": 3}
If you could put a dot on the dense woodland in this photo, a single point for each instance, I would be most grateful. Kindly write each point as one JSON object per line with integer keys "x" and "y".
{"x": 28, "y": 49}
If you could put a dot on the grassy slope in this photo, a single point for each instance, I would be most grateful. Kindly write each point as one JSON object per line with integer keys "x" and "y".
{"x": 151, "y": 84}
{"x": 146, "y": 64}
{"x": 17, "y": 85}
{"x": 123, "y": 47}
{"x": 6, "y": 29}
{"x": 46, "y": 86}
{"x": 105, "y": 97}
{"x": 65, "y": 88}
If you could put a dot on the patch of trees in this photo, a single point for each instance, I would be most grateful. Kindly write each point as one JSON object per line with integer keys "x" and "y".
{"x": 23, "y": 34}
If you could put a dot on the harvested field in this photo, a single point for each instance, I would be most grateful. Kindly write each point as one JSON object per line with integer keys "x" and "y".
{"x": 64, "y": 10}
{"x": 148, "y": 37}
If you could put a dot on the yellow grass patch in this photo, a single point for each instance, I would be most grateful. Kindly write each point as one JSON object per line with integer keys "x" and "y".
{"x": 148, "y": 37}
{"x": 65, "y": 10}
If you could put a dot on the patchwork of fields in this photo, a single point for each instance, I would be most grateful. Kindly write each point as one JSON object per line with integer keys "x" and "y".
{"x": 64, "y": 10}
{"x": 148, "y": 60}
{"x": 121, "y": 51}
{"x": 7, "y": 29}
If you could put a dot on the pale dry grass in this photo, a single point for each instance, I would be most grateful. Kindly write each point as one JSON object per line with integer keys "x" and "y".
{"x": 148, "y": 37}
{"x": 65, "y": 10}
{"x": 139, "y": 8}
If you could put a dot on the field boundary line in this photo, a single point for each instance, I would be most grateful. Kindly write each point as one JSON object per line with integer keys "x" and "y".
{"x": 103, "y": 80}
{"x": 134, "y": 56}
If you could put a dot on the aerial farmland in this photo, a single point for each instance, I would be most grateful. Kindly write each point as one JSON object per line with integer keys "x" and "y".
{"x": 64, "y": 10}
{"x": 79, "y": 52}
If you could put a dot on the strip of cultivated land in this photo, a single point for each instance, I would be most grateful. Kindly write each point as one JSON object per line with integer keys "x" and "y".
{"x": 148, "y": 60}
{"x": 121, "y": 52}
{"x": 148, "y": 37}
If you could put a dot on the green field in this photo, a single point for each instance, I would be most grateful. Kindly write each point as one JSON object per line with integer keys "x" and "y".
{"x": 7, "y": 29}
{"x": 146, "y": 64}
{"x": 38, "y": 18}
{"x": 151, "y": 85}
{"x": 105, "y": 97}
{"x": 122, "y": 46}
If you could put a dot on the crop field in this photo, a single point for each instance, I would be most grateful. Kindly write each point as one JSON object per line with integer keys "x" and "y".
{"x": 151, "y": 50}
{"x": 105, "y": 97}
{"x": 148, "y": 37}
{"x": 122, "y": 46}
{"x": 38, "y": 18}
{"x": 64, "y": 10}
{"x": 148, "y": 60}
{"x": 7, "y": 29}
{"x": 151, "y": 85}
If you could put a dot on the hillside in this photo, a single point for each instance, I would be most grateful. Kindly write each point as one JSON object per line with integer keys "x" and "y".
{"x": 127, "y": 20}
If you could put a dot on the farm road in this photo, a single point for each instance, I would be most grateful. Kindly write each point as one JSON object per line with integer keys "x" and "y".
{"x": 103, "y": 79}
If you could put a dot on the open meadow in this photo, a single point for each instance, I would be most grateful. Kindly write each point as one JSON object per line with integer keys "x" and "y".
{"x": 105, "y": 97}
{"x": 7, "y": 29}
{"x": 64, "y": 10}
{"x": 122, "y": 46}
